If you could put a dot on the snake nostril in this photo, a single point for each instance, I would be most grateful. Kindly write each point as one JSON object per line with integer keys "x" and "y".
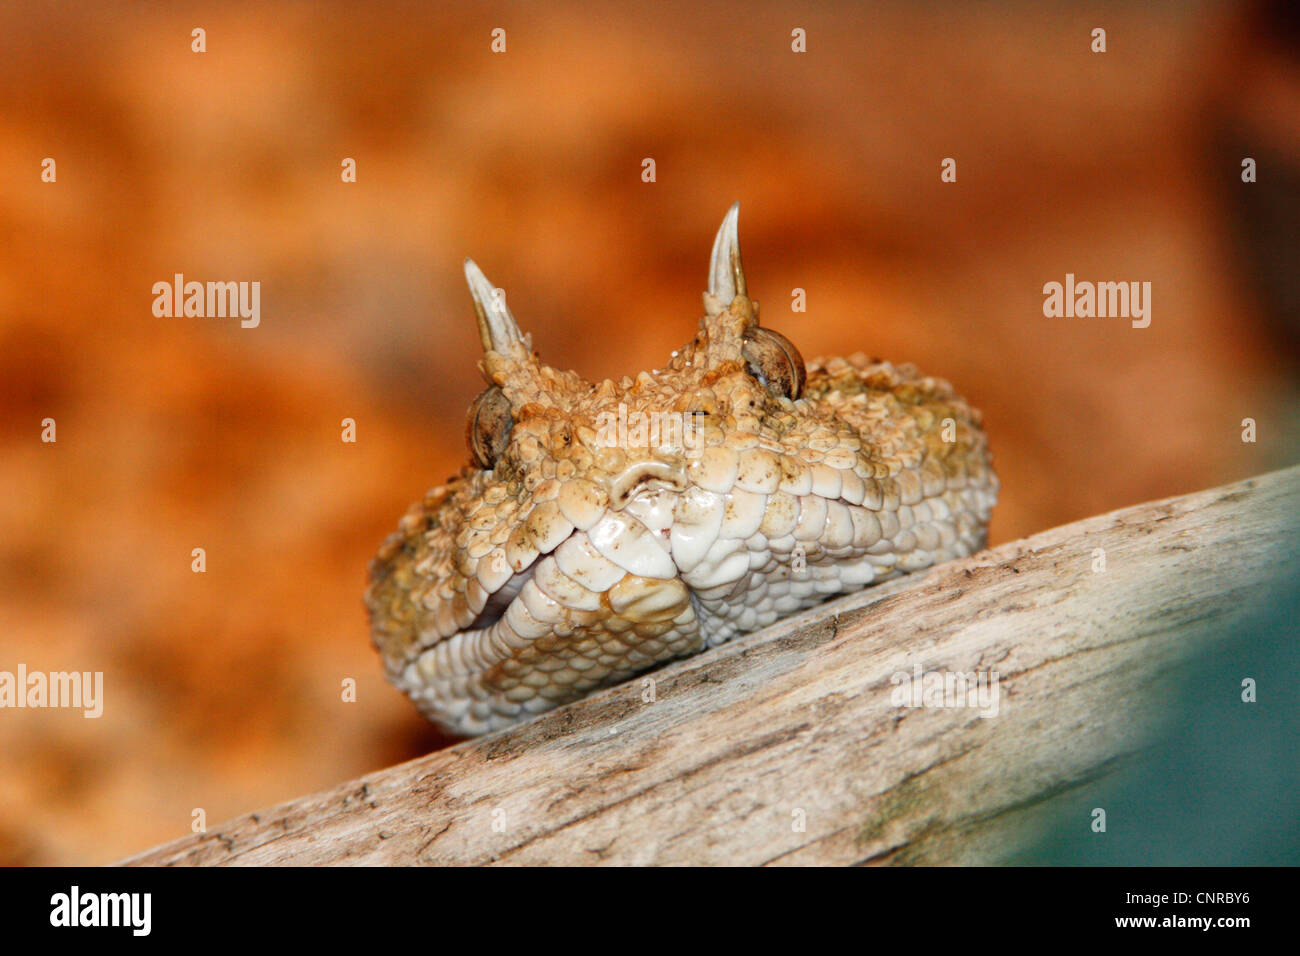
{"x": 624, "y": 485}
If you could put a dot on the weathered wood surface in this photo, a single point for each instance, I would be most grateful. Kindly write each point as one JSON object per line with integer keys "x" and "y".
{"x": 797, "y": 721}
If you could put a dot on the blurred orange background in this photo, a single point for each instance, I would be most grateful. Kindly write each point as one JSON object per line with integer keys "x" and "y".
{"x": 223, "y": 689}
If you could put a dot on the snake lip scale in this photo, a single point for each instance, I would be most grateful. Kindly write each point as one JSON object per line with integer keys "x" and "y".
{"x": 569, "y": 555}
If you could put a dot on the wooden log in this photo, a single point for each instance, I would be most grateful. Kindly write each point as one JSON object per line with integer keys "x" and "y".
{"x": 790, "y": 745}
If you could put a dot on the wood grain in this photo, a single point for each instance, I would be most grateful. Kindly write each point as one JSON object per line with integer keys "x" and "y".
{"x": 797, "y": 722}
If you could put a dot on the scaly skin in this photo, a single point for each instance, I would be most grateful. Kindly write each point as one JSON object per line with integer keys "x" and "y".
{"x": 600, "y": 555}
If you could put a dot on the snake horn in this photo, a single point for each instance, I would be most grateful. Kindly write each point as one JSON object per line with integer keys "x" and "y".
{"x": 726, "y": 274}
{"x": 496, "y": 326}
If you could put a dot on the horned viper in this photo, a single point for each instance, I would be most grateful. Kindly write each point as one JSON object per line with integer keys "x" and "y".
{"x": 604, "y": 528}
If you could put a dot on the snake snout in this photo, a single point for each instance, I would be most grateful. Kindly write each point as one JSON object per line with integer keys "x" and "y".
{"x": 650, "y": 473}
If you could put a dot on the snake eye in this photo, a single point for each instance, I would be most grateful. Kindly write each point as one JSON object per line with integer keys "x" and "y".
{"x": 488, "y": 427}
{"x": 772, "y": 359}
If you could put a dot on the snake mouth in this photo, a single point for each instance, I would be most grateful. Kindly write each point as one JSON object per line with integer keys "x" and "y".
{"x": 500, "y": 600}
{"x": 589, "y": 606}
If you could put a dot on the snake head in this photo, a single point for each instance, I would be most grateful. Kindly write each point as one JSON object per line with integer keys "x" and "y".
{"x": 532, "y": 416}
{"x": 602, "y": 528}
